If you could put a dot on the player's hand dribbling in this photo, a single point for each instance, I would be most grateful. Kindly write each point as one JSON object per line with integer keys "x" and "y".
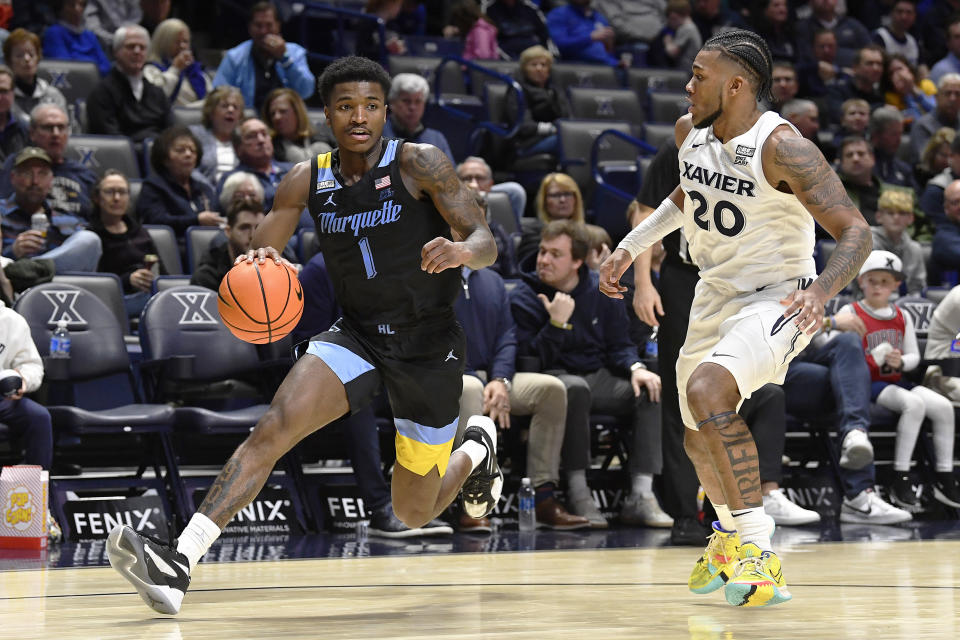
{"x": 441, "y": 254}
{"x": 260, "y": 255}
{"x": 810, "y": 307}
{"x": 610, "y": 272}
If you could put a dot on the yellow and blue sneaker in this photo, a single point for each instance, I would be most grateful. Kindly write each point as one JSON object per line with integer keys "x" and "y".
{"x": 757, "y": 579}
{"x": 715, "y": 565}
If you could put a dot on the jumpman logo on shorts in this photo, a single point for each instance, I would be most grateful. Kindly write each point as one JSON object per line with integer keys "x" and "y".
{"x": 450, "y": 356}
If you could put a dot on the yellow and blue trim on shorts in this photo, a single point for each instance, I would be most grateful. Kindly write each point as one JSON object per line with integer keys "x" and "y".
{"x": 421, "y": 447}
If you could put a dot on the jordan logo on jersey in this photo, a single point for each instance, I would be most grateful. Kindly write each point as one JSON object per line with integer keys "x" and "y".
{"x": 329, "y": 222}
{"x": 718, "y": 180}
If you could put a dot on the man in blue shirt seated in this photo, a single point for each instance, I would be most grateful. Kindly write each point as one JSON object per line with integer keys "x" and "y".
{"x": 408, "y": 100}
{"x": 582, "y": 33}
{"x": 254, "y": 148}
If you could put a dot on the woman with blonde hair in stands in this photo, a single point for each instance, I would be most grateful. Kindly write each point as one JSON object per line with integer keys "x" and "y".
{"x": 22, "y": 51}
{"x": 294, "y": 139}
{"x": 936, "y": 155}
{"x": 545, "y": 103}
{"x": 558, "y": 198}
{"x": 171, "y": 66}
{"x": 222, "y": 112}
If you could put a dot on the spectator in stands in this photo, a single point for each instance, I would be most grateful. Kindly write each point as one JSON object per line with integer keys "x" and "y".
{"x": 945, "y": 115}
{"x": 935, "y": 157}
{"x": 368, "y": 34}
{"x": 851, "y": 35}
{"x": 579, "y": 336}
{"x": 856, "y": 173}
{"x": 854, "y": 118}
{"x": 932, "y": 198}
{"x": 894, "y": 215}
{"x": 582, "y": 34}
{"x": 601, "y": 246}
{"x": 72, "y": 182}
{"x": 805, "y": 116}
{"x": 835, "y": 369}
{"x": 412, "y": 18}
{"x": 243, "y": 217}
{"x": 521, "y": 26}
{"x": 154, "y": 13}
{"x": 633, "y": 21}
{"x": 775, "y": 25}
{"x": 22, "y": 52}
{"x": 222, "y": 111}
{"x": 172, "y": 67}
{"x": 266, "y": 61}
{"x": 895, "y": 37}
{"x": 408, "y": 97}
{"x": 66, "y": 241}
{"x": 492, "y": 386}
{"x": 475, "y": 173}
{"x": 679, "y": 39}
{"x": 945, "y": 254}
{"x": 240, "y": 186}
{"x": 70, "y": 39}
{"x": 477, "y": 31}
{"x": 902, "y": 90}
{"x": 713, "y": 17}
{"x": 128, "y": 249}
{"x": 321, "y": 311}
{"x": 254, "y": 148}
{"x": 13, "y": 133}
{"x": 28, "y": 421}
{"x": 951, "y": 62}
{"x": 821, "y": 70}
{"x": 545, "y": 103}
{"x": 932, "y": 34}
{"x": 785, "y": 85}
{"x": 558, "y": 198}
{"x": 294, "y": 138}
{"x": 886, "y": 134}
{"x": 864, "y": 83}
{"x": 104, "y": 17}
{"x": 124, "y": 103}
{"x": 885, "y": 324}
{"x": 176, "y": 194}
{"x": 32, "y": 15}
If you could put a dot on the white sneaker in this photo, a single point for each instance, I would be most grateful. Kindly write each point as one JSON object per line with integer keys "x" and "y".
{"x": 856, "y": 452}
{"x": 786, "y": 513}
{"x": 868, "y": 508}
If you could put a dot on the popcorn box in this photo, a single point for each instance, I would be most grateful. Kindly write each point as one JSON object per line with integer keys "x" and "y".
{"x": 23, "y": 491}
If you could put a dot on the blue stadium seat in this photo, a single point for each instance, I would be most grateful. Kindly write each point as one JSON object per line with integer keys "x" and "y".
{"x": 165, "y": 240}
{"x": 99, "y": 153}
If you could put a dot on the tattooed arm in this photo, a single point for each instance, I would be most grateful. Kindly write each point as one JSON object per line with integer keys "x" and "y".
{"x": 427, "y": 171}
{"x": 794, "y": 164}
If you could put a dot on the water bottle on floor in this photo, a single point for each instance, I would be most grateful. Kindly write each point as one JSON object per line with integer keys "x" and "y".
{"x": 526, "y": 506}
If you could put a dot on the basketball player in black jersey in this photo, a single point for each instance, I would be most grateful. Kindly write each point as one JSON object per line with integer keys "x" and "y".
{"x": 395, "y": 225}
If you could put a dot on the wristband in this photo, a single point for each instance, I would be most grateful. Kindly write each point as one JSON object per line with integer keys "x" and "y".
{"x": 637, "y": 365}
{"x": 561, "y": 325}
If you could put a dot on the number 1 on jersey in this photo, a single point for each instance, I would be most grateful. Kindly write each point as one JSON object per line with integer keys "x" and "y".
{"x": 368, "y": 258}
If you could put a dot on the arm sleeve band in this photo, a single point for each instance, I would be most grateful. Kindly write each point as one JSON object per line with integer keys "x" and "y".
{"x": 665, "y": 219}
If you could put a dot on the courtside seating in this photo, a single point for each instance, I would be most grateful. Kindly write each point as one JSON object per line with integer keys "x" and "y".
{"x": 576, "y": 139}
{"x": 198, "y": 243}
{"x": 106, "y": 286}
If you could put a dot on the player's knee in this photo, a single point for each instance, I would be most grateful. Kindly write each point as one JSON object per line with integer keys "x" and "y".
{"x": 412, "y": 515}
{"x": 266, "y": 436}
{"x": 710, "y": 392}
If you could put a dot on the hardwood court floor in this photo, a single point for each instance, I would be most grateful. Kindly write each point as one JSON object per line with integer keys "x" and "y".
{"x": 865, "y": 590}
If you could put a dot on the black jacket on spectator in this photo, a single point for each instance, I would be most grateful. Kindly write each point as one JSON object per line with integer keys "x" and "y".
{"x": 544, "y": 104}
{"x": 162, "y": 201}
{"x": 123, "y": 252}
{"x": 598, "y": 337}
{"x": 518, "y": 27}
{"x": 113, "y": 110}
{"x": 484, "y": 313}
{"x": 213, "y": 266}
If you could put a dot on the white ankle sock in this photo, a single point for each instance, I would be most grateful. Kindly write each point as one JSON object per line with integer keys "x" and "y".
{"x": 475, "y": 451}
{"x": 753, "y": 526}
{"x": 201, "y": 532}
{"x": 642, "y": 484}
{"x": 577, "y": 484}
{"x": 723, "y": 515}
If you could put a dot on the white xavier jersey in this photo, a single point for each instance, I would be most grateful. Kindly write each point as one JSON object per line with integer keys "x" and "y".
{"x": 742, "y": 233}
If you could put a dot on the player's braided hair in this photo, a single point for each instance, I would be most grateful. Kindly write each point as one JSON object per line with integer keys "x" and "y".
{"x": 751, "y": 52}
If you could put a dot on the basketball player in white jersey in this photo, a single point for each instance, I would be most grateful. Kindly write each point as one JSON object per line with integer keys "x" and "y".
{"x": 750, "y": 189}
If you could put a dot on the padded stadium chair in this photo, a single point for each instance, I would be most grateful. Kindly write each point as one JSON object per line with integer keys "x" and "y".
{"x": 162, "y": 283}
{"x": 188, "y": 115}
{"x": 198, "y": 243}
{"x": 99, "y": 153}
{"x": 452, "y": 81}
{"x": 576, "y": 140}
{"x": 135, "y": 187}
{"x": 652, "y": 79}
{"x": 921, "y": 312}
{"x": 186, "y": 351}
{"x": 667, "y": 106}
{"x": 432, "y": 46}
{"x": 308, "y": 244}
{"x": 168, "y": 249}
{"x": 106, "y": 286}
{"x": 74, "y": 78}
{"x": 107, "y": 419}
{"x": 599, "y": 76}
{"x": 659, "y": 134}
{"x": 502, "y": 211}
{"x": 479, "y": 80}
{"x": 605, "y": 104}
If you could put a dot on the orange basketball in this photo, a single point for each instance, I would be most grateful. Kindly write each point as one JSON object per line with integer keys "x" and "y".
{"x": 260, "y": 303}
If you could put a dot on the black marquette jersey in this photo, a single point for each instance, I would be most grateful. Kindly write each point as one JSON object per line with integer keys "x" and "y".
{"x": 371, "y": 234}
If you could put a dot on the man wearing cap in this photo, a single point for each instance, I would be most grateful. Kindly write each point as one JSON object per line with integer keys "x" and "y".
{"x": 66, "y": 242}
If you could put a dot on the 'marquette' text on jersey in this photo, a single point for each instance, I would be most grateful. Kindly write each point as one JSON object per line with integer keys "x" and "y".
{"x": 329, "y": 222}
